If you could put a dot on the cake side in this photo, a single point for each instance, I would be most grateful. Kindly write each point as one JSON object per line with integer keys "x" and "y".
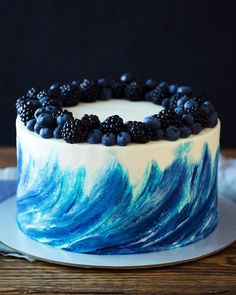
{"x": 94, "y": 199}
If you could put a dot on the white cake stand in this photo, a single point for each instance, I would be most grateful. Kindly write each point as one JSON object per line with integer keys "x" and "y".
{"x": 221, "y": 237}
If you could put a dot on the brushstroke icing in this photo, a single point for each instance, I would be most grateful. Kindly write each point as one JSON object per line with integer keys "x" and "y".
{"x": 165, "y": 208}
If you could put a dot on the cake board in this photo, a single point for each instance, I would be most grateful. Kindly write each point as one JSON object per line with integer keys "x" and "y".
{"x": 220, "y": 238}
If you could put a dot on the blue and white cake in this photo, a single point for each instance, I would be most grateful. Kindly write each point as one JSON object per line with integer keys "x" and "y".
{"x": 107, "y": 198}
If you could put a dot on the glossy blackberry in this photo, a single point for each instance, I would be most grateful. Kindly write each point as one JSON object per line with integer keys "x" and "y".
{"x": 135, "y": 91}
{"x": 41, "y": 94}
{"x": 117, "y": 89}
{"x": 89, "y": 90}
{"x": 168, "y": 118}
{"x": 73, "y": 131}
{"x": 28, "y": 109}
{"x": 113, "y": 124}
{"x": 199, "y": 97}
{"x": 139, "y": 131}
{"x": 52, "y": 101}
{"x": 156, "y": 95}
{"x": 19, "y": 103}
{"x": 200, "y": 118}
{"x": 90, "y": 122}
{"x": 69, "y": 96}
{"x": 64, "y": 112}
{"x": 31, "y": 93}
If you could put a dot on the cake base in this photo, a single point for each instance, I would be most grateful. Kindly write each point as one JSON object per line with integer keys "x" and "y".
{"x": 220, "y": 238}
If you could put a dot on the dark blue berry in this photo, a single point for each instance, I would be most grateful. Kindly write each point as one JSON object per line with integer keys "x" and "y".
{"x": 190, "y": 104}
{"x": 196, "y": 128}
{"x": 164, "y": 85}
{"x": 172, "y": 133}
{"x": 51, "y": 109}
{"x": 43, "y": 99}
{"x": 62, "y": 119}
{"x": 185, "y": 131}
{"x": 158, "y": 134}
{"x": 103, "y": 82}
{"x": 127, "y": 77}
{"x": 165, "y": 102}
{"x": 153, "y": 122}
{"x": 184, "y": 90}
{"x": 212, "y": 120}
{"x": 207, "y": 107}
{"x": 151, "y": 84}
{"x": 94, "y": 136}
{"x": 182, "y": 100}
{"x": 39, "y": 112}
{"x": 173, "y": 89}
{"x": 109, "y": 139}
{"x": 46, "y": 132}
{"x": 123, "y": 138}
{"x": 187, "y": 119}
{"x": 37, "y": 128}
{"x": 45, "y": 120}
{"x": 54, "y": 90}
{"x": 105, "y": 93}
{"x": 57, "y": 132}
{"x": 179, "y": 111}
{"x": 30, "y": 124}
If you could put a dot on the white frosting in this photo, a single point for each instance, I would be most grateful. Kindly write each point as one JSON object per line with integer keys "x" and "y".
{"x": 133, "y": 157}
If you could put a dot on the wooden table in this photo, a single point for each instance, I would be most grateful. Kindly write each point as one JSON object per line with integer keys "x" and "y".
{"x": 215, "y": 274}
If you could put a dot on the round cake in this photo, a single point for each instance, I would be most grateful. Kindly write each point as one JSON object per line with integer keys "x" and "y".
{"x": 133, "y": 177}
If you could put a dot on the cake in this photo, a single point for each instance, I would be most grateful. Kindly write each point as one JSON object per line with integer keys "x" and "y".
{"x": 138, "y": 175}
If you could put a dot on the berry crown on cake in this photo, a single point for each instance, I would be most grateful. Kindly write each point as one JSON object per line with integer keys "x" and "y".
{"x": 185, "y": 112}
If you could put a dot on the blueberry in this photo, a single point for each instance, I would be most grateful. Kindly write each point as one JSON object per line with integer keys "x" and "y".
{"x": 190, "y": 104}
{"x": 46, "y": 132}
{"x": 127, "y": 77}
{"x": 163, "y": 85}
{"x": 37, "y": 128}
{"x": 184, "y": 90}
{"x": 51, "y": 109}
{"x": 158, "y": 134}
{"x": 196, "y": 128}
{"x": 187, "y": 119}
{"x": 182, "y": 100}
{"x": 109, "y": 139}
{"x": 173, "y": 89}
{"x": 35, "y": 103}
{"x": 123, "y": 138}
{"x": 212, "y": 120}
{"x": 207, "y": 107}
{"x": 179, "y": 111}
{"x": 105, "y": 93}
{"x": 39, "y": 112}
{"x": 45, "y": 120}
{"x": 94, "y": 136}
{"x": 165, "y": 102}
{"x": 30, "y": 124}
{"x": 151, "y": 84}
{"x": 54, "y": 89}
{"x": 62, "y": 119}
{"x": 153, "y": 122}
{"x": 57, "y": 132}
{"x": 185, "y": 131}
{"x": 103, "y": 82}
{"x": 172, "y": 133}
{"x": 43, "y": 99}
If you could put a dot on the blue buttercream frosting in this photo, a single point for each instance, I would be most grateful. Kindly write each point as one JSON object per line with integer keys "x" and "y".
{"x": 171, "y": 207}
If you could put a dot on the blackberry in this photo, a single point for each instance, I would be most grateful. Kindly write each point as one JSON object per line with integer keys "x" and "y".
{"x": 69, "y": 96}
{"x": 168, "y": 118}
{"x": 156, "y": 95}
{"x": 31, "y": 93}
{"x": 113, "y": 124}
{"x": 52, "y": 101}
{"x": 28, "y": 109}
{"x": 64, "y": 112}
{"x": 173, "y": 101}
{"x": 117, "y": 89}
{"x": 135, "y": 91}
{"x": 139, "y": 131}
{"x": 41, "y": 94}
{"x": 199, "y": 97}
{"x": 89, "y": 90}
{"x": 200, "y": 117}
{"x": 19, "y": 103}
{"x": 73, "y": 131}
{"x": 90, "y": 122}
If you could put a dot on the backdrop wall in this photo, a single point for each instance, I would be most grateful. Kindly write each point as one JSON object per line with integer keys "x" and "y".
{"x": 187, "y": 42}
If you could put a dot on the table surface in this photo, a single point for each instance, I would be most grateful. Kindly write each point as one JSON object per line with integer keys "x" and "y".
{"x": 215, "y": 274}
